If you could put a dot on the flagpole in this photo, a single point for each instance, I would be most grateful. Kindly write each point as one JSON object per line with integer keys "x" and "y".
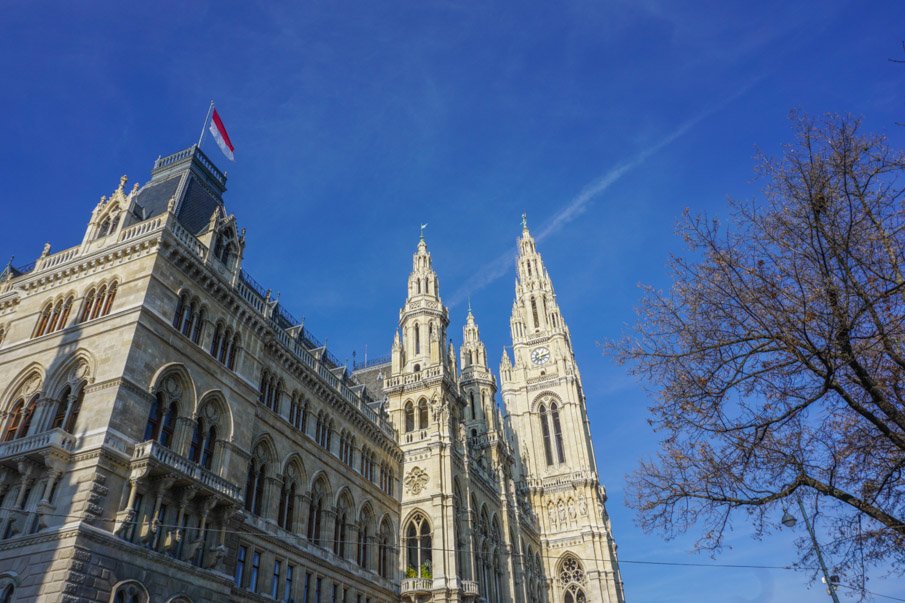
{"x": 206, "y": 119}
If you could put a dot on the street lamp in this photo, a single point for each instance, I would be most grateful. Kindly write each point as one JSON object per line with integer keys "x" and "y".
{"x": 789, "y": 521}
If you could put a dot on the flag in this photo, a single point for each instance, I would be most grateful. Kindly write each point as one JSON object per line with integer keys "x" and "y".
{"x": 219, "y": 133}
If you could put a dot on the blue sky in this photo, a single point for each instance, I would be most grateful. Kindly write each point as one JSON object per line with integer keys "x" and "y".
{"x": 355, "y": 122}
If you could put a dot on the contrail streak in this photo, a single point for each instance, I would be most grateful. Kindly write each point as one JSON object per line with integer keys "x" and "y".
{"x": 577, "y": 205}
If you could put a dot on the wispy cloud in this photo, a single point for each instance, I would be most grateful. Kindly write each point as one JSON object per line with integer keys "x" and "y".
{"x": 498, "y": 267}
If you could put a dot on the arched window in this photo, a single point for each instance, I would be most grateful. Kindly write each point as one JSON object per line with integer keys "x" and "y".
{"x": 545, "y": 428}
{"x": 557, "y": 432}
{"x": 534, "y": 313}
{"x": 224, "y": 347}
{"x": 168, "y": 426}
{"x": 233, "y": 352}
{"x": 418, "y": 547}
{"x": 286, "y": 512}
{"x": 341, "y": 527}
{"x": 189, "y": 318}
{"x": 177, "y": 316}
{"x": 197, "y": 441}
{"x": 471, "y": 404}
{"x": 254, "y": 487}
{"x": 43, "y": 320}
{"x": 62, "y": 406}
{"x": 384, "y": 549}
{"x": 364, "y": 536}
{"x": 67, "y": 309}
{"x": 199, "y": 327}
{"x": 315, "y": 513}
{"x": 7, "y": 595}
{"x": 417, "y": 340}
{"x": 207, "y": 452}
{"x": 155, "y": 416}
{"x": 422, "y": 414}
{"x": 572, "y": 580}
{"x": 14, "y": 421}
{"x": 73, "y": 410}
{"x": 99, "y": 301}
{"x": 409, "y": 417}
{"x": 104, "y": 228}
{"x": 217, "y": 340}
{"x": 111, "y": 295}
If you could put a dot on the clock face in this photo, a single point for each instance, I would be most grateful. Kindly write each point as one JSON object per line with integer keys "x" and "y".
{"x": 540, "y": 356}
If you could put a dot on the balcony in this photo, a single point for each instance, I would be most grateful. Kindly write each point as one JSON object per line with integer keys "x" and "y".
{"x": 152, "y": 458}
{"x": 416, "y": 586}
{"x": 469, "y": 588}
{"x": 38, "y": 446}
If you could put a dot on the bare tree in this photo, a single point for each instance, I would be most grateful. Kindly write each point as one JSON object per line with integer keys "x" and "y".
{"x": 779, "y": 355}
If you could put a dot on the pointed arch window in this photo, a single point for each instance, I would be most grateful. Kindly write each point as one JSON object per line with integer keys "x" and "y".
{"x": 364, "y": 536}
{"x": 168, "y": 426}
{"x": 471, "y": 404}
{"x": 286, "y": 513}
{"x": 254, "y": 486}
{"x": 419, "y": 546}
{"x": 43, "y": 320}
{"x": 557, "y": 432}
{"x": 572, "y": 579}
{"x": 315, "y": 514}
{"x": 340, "y": 529}
{"x": 545, "y": 428}
{"x": 99, "y": 301}
{"x": 233, "y": 352}
{"x": 409, "y": 417}
{"x": 422, "y": 414}
{"x": 68, "y": 409}
{"x": 14, "y": 421}
{"x": 177, "y": 316}
{"x": 207, "y": 450}
{"x": 417, "y": 339}
{"x": 155, "y": 415}
{"x": 199, "y": 327}
{"x": 384, "y": 544}
{"x": 111, "y": 295}
{"x": 534, "y": 314}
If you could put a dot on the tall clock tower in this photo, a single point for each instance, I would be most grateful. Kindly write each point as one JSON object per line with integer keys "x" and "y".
{"x": 546, "y": 408}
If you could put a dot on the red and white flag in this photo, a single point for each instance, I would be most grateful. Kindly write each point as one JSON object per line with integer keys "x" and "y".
{"x": 219, "y": 132}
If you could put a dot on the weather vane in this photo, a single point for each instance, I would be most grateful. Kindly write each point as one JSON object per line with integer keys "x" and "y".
{"x": 423, "y": 226}
{"x": 524, "y": 220}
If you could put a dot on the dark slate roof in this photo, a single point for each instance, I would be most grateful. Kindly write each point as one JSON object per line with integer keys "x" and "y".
{"x": 368, "y": 378}
{"x": 197, "y": 180}
{"x": 152, "y": 199}
{"x": 198, "y": 203}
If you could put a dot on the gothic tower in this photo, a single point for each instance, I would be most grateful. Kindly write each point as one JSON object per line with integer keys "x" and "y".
{"x": 423, "y": 401}
{"x": 546, "y": 408}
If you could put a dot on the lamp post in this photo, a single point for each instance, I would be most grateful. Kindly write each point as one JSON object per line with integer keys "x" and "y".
{"x": 789, "y": 521}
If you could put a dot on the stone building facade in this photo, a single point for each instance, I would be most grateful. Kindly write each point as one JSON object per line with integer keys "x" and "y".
{"x": 169, "y": 432}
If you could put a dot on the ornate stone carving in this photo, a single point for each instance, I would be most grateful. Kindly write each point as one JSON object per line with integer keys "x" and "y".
{"x": 415, "y": 481}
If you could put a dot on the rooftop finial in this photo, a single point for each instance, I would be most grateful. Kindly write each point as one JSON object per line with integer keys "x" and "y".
{"x": 469, "y": 304}
{"x": 122, "y": 181}
{"x": 524, "y": 221}
{"x": 423, "y": 226}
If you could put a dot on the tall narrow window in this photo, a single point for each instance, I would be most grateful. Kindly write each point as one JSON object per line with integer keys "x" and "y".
{"x": 62, "y": 407}
{"x": 422, "y": 414}
{"x": 275, "y": 581}
{"x": 177, "y": 316}
{"x": 43, "y": 320}
{"x": 155, "y": 415}
{"x": 233, "y": 353}
{"x": 217, "y": 340}
{"x": 199, "y": 327}
{"x": 545, "y": 428}
{"x": 197, "y": 441}
{"x": 240, "y": 565}
{"x": 111, "y": 295}
{"x": 557, "y": 432}
{"x": 74, "y": 410}
{"x": 99, "y": 301}
{"x": 259, "y": 491}
{"x": 409, "y": 417}
{"x": 255, "y": 570}
{"x": 207, "y": 453}
{"x": 417, "y": 340}
{"x": 67, "y": 308}
{"x": 251, "y": 479}
{"x": 168, "y": 427}
{"x": 14, "y": 421}
{"x": 534, "y": 313}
